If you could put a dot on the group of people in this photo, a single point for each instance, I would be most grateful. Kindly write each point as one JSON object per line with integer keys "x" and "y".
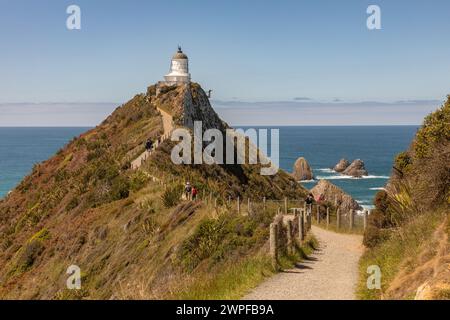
{"x": 190, "y": 192}
{"x": 319, "y": 200}
{"x": 310, "y": 200}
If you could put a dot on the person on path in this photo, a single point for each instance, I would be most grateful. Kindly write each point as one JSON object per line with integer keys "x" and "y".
{"x": 148, "y": 145}
{"x": 320, "y": 198}
{"x": 188, "y": 191}
{"x": 309, "y": 201}
{"x": 194, "y": 193}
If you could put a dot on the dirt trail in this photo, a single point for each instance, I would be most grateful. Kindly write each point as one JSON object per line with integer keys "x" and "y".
{"x": 168, "y": 127}
{"x": 331, "y": 273}
{"x": 167, "y": 122}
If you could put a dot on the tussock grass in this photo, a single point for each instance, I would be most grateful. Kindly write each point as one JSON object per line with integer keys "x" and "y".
{"x": 401, "y": 250}
{"x": 233, "y": 279}
{"x": 231, "y": 282}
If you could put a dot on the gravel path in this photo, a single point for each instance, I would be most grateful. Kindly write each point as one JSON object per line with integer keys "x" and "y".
{"x": 330, "y": 273}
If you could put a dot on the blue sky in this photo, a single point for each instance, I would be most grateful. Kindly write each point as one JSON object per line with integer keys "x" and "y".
{"x": 269, "y": 52}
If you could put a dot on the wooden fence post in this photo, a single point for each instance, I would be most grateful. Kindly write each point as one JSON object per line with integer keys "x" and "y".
{"x": 238, "y": 205}
{"x": 318, "y": 213}
{"x": 328, "y": 217}
{"x": 274, "y": 244}
{"x": 289, "y": 237}
{"x": 352, "y": 217}
{"x": 309, "y": 218}
{"x": 264, "y": 203}
{"x": 215, "y": 203}
{"x": 366, "y": 214}
{"x": 338, "y": 219}
{"x": 301, "y": 227}
{"x": 285, "y": 205}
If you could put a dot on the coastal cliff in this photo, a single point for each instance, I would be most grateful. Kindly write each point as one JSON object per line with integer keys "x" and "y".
{"x": 408, "y": 232}
{"x": 128, "y": 230}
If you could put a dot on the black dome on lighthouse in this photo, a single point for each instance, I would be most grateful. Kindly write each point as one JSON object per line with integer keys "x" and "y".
{"x": 179, "y": 54}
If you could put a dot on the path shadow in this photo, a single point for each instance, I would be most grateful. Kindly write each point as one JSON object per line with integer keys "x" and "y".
{"x": 298, "y": 268}
{"x": 310, "y": 259}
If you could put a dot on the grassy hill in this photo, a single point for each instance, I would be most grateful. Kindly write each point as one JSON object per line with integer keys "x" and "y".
{"x": 408, "y": 233}
{"x": 130, "y": 233}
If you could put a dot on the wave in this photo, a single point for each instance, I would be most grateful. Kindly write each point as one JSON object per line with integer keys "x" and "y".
{"x": 328, "y": 170}
{"x": 340, "y": 177}
{"x": 307, "y": 181}
{"x": 366, "y": 207}
{"x": 377, "y": 188}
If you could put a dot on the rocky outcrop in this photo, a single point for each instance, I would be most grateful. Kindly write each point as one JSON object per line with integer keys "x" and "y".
{"x": 333, "y": 193}
{"x": 302, "y": 170}
{"x": 356, "y": 169}
{"x": 186, "y": 103}
{"x": 341, "y": 165}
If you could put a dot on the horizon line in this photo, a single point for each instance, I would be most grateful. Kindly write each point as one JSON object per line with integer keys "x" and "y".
{"x": 244, "y": 125}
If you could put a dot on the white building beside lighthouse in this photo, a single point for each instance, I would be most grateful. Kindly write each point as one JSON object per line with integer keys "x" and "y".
{"x": 179, "y": 69}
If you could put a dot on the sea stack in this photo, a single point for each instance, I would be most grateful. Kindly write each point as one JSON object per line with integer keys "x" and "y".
{"x": 341, "y": 165}
{"x": 302, "y": 170}
{"x": 356, "y": 169}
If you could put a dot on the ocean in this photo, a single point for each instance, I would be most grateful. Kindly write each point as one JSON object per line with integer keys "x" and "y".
{"x": 323, "y": 147}
{"x": 21, "y": 148}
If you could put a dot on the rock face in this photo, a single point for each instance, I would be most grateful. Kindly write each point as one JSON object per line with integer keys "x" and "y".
{"x": 302, "y": 170}
{"x": 356, "y": 169}
{"x": 186, "y": 103}
{"x": 333, "y": 193}
{"x": 341, "y": 166}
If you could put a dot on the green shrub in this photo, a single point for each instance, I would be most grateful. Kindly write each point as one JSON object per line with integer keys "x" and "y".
{"x": 201, "y": 244}
{"x": 106, "y": 171}
{"x": 120, "y": 188}
{"x": 28, "y": 255}
{"x": 73, "y": 203}
{"x": 218, "y": 238}
{"x": 435, "y": 129}
{"x": 172, "y": 196}
{"x": 138, "y": 180}
{"x": 381, "y": 201}
{"x": 94, "y": 154}
{"x": 403, "y": 162}
{"x": 374, "y": 236}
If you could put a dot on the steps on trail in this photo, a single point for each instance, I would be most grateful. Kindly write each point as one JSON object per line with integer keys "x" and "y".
{"x": 168, "y": 127}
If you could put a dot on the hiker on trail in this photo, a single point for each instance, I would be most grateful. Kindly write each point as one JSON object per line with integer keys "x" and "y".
{"x": 309, "y": 201}
{"x": 194, "y": 193}
{"x": 148, "y": 145}
{"x": 320, "y": 198}
{"x": 188, "y": 191}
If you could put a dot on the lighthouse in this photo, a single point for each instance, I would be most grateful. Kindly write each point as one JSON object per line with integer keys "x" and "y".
{"x": 179, "y": 69}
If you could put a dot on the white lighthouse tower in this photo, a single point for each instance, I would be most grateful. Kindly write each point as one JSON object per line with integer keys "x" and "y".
{"x": 179, "y": 69}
